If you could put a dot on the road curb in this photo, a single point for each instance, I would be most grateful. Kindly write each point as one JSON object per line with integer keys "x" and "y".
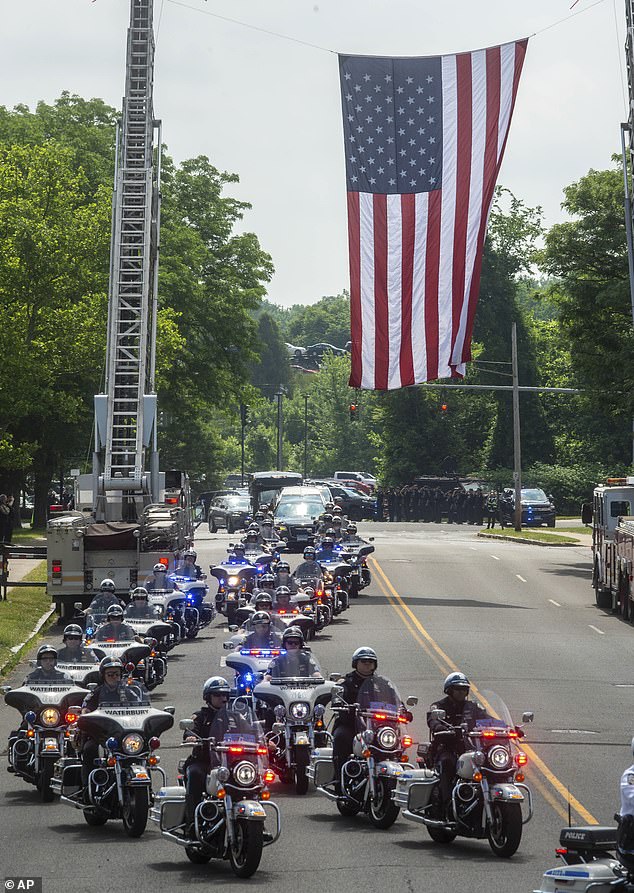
{"x": 513, "y": 539}
{"x": 18, "y": 648}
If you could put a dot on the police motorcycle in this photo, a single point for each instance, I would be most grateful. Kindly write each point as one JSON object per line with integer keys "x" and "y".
{"x": 298, "y": 704}
{"x": 120, "y": 785}
{"x": 48, "y": 709}
{"x": 229, "y": 823}
{"x": 128, "y": 651}
{"x": 289, "y": 610}
{"x": 488, "y": 790}
{"x": 83, "y": 666}
{"x": 356, "y": 554}
{"x": 156, "y": 634}
{"x": 335, "y": 584}
{"x": 250, "y": 664}
{"x": 236, "y": 578}
{"x": 378, "y": 760}
{"x": 592, "y": 861}
{"x": 195, "y": 591}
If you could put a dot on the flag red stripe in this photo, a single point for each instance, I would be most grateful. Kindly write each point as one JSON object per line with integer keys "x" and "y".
{"x": 356, "y": 330}
{"x": 381, "y": 317}
{"x": 493, "y": 60}
{"x": 408, "y": 214}
{"x": 463, "y": 185}
{"x": 432, "y": 261}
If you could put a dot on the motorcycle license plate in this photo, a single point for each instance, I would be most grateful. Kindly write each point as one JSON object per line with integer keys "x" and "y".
{"x": 231, "y": 597}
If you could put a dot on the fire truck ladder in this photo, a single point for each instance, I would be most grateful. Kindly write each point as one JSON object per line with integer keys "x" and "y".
{"x": 126, "y": 414}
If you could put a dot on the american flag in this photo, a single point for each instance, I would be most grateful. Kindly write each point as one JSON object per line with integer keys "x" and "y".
{"x": 424, "y": 140}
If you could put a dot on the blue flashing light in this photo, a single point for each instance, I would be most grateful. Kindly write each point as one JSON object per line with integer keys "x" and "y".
{"x": 112, "y": 744}
{"x": 30, "y": 717}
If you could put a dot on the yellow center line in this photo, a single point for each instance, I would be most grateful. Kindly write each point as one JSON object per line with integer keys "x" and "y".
{"x": 445, "y": 664}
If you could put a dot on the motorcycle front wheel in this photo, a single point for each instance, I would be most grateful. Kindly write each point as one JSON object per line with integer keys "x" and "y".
{"x": 44, "y": 782}
{"x": 302, "y": 760}
{"x": 505, "y": 833}
{"x": 246, "y": 852}
{"x": 135, "y": 811}
{"x": 383, "y": 811}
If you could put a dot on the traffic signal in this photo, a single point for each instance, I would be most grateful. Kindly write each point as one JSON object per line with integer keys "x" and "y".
{"x": 443, "y": 408}
{"x": 244, "y": 414}
{"x": 353, "y": 411}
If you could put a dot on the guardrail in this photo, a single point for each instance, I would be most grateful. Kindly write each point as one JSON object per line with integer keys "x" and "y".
{"x": 15, "y": 553}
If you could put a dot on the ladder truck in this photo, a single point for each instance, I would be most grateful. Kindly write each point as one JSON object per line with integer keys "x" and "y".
{"x": 127, "y": 516}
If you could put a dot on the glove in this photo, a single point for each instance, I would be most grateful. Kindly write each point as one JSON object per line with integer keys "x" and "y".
{"x": 445, "y": 734}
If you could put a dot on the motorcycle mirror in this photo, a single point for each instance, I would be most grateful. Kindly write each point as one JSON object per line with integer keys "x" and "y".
{"x": 371, "y": 538}
{"x": 33, "y": 663}
{"x": 412, "y": 701}
{"x": 78, "y": 606}
{"x": 438, "y": 713}
{"x": 185, "y": 724}
{"x": 334, "y": 677}
{"x": 528, "y": 716}
{"x": 5, "y": 688}
{"x": 234, "y": 628}
{"x": 91, "y": 686}
{"x": 228, "y": 646}
{"x": 337, "y": 691}
{"x": 170, "y": 710}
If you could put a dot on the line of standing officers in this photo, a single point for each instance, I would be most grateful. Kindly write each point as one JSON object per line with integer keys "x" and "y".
{"x": 420, "y": 503}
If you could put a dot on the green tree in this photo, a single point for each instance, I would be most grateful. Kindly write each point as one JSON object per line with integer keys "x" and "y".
{"x": 327, "y": 320}
{"x": 270, "y": 370}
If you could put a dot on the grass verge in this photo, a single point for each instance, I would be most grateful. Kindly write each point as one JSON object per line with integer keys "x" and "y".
{"x": 26, "y": 536}
{"x": 19, "y": 614}
{"x": 580, "y": 528}
{"x": 531, "y": 534}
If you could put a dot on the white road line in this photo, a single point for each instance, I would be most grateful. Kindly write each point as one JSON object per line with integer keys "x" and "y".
{"x": 553, "y": 602}
{"x": 473, "y": 548}
{"x": 600, "y": 631}
{"x": 223, "y": 661}
{"x": 520, "y": 577}
{"x": 495, "y": 556}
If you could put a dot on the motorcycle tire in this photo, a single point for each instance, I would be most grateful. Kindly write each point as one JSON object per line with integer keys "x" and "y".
{"x": 192, "y": 633}
{"x": 441, "y": 835}
{"x": 383, "y": 812}
{"x": 506, "y": 832}
{"x": 230, "y": 529}
{"x": 135, "y": 811}
{"x": 196, "y": 855}
{"x": 347, "y": 807}
{"x": 95, "y": 819}
{"x": 212, "y": 526}
{"x": 246, "y": 852}
{"x": 302, "y": 759}
{"x": 44, "y": 782}
{"x": 231, "y": 614}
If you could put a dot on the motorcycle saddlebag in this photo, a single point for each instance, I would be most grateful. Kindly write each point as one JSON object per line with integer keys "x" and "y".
{"x": 323, "y": 770}
{"x": 414, "y": 788}
{"x": 577, "y": 878}
{"x": 169, "y": 807}
{"x": 588, "y": 838}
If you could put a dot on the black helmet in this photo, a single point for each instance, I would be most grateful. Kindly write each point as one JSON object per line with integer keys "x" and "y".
{"x": 73, "y": 629}
{"x": 139, "y": 592}
{"x": 263, "y": 598}
{"x": 114, "y": 611}
{"x": 457, "y": 680}
{"x": 283, "y": 566}
{"x": 215, "y": 685}
{"x": 364, "y": 653}
{"x": 109, "y": 663}
{"x": 292, "y": 632}
{"x": 260, "y": 617}
{"x": 46, "y": 649}
{"x": 309, "y": 553}
{"x": 107, "y": 585}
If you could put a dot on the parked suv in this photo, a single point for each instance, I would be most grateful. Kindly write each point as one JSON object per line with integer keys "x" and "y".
{"x": 537, "y": 508}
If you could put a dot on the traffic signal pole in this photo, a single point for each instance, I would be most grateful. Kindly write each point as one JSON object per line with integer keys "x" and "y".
{"x": 517, "y": 445}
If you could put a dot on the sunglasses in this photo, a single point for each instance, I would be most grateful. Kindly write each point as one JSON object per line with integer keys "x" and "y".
{"x": 220, "y": 694}
{"x": 47, "y": 657}
{"x": 73, "y": 638}
{"x": 293, "y": 643}
{"x": 112, "y": 675}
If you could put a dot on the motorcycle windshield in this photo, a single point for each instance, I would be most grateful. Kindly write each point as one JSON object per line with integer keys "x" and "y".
{"x": 142, "y": 612}
{"x": 276, "y": 623}
{"x": 132, "y": 696}
{"x": 308, "y": 574}
{"x": 237, "y": 727}
{"x": 379, "y": 698}
{"x": 296, "y": 664}
{"x": 499, "y": 713}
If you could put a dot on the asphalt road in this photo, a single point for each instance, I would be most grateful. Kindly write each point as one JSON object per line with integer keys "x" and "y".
{"x": 518, "y": 619}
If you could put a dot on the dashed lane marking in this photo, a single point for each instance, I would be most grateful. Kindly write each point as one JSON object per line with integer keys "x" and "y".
{"x": 495, "y": 557}
{"x": 553, "y": 602}
{"x": 520, "y": 577}
{"x": 600, "y": 631}
{"x": 446, "y": 664}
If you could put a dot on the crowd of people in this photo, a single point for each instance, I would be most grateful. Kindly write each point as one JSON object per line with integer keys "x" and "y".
{"x": 418, "y": 502}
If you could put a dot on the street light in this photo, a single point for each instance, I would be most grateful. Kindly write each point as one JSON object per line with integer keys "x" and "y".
{"x": 305, "y": 436}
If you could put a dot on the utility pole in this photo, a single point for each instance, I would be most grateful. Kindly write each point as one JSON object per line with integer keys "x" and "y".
{"x": 517, "y": 447}
{"x": 279, "y": 396}
{"x": 305, "y": 436}
{"x": 628, "y": 170}
{"x": 243, "y": 425}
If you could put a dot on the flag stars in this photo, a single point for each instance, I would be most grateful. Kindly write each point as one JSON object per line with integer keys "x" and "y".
{"x": 411, "y": 100}
{"x": 366, "y": 78}
{"x": 412, "y": 162}
{"x": 430, "y": 99}
{"x": 431, "y": 140}
{"x": 388, "y": 78}
{"x": 420, "y": 90}
{"x": 354, "y": 178}
{"x": 421, "y": 131}
{"x": 390, "y": 140}
{"x": 401, "y": 111}
{"x": 370, "y": 160}
{"x": 429, "y": 79}
{"x": 402, "y": 153}
{"x": 372, "y": 181}
{"x": 412, "y": 142}
{"x": 380, "y": 170}
{"x": 359, "y": 129}
{"x": 412, "y": 182}
{"x": 377, "y": 89}
{"x": 431, "y": 120}
{"x": 400, "y": 89}
{"x": 357, "y": 88}
{"x": 369, "y": 99}
{"x": 379, "y": 130}
{"x": 401, "y": 132}
{"x": 369, "y": 119}
{"x": 380, "y": 150}
{"x": 348, "y": 75}
{"x": 390, "y": 161}
{"x": 432, "y": 180}
{"x": 362, "y": 169}
{"x": 370, "y": 140}
{"x": 410, "y": 121}
{"x": 378, "y": 109}
{"x": 388, "y": 99}
{"x": 392, "y": 182}
{"x": 390, "y": 119}
{"x": 432, "y": 161}
{"x": 349, "y": 97}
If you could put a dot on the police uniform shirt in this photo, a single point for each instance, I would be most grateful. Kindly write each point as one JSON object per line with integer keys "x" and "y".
{"x": 627, "y": 792}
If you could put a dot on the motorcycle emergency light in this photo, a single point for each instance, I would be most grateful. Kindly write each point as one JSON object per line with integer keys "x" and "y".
{"x": 112, "y": 744}
{"x": 477, "y": 776}
{"x": 521, "y": 759}
{"x": 489, "y": 733}
{"x": 154, "y": 743}
{"x": 269, "y": 776}
{"x": 235, "y": 749}
{"x": 265, "y": 795}
{"x": 71, "y": 717}
{"x": 129, "y": 667}
{"x": 30, "y": 716}
{"x": 407, "y": 741}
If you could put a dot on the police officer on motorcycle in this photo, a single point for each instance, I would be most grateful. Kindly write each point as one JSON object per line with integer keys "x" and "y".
{"x": 282, "y": 599}
{"x": 364, "y": 664}
{"x": 46, "y": 670}
{"x": 209, "y": 722}
{"x": 263, "y": 635}
{"x": 73, "y": 651}
{"x": 283, "y": 576}
{"x": 139, "y": 607}
{"x": 158, "y": 579}
{"x": 296, "y": 662}
{"x": 188, "y": 567}
{"x": 114, "y": 628}
{"x": 111, "y": 691}
{"x": 446, "y": 744}
{"x": 105, "y": 597}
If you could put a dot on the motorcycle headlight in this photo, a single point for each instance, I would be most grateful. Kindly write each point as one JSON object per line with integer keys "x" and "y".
{"x": 387, "y": 738}
{"x": 367, "y": 736}
{"x": 132, "y": 743}
{"x": 245, "y": 774}
{"x": 300, "y": 710}
{"x": 50, "y": 716}
{"x": 223, "y": 775}
{"x": 499, "y": 757}
{"x": 280, "y": 711}
{"x": 233, "y": 581}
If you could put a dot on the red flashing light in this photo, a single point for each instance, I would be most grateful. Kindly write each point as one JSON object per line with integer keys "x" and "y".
{"x": 171, "y": 500}
{"x": 164, "y": 560}
{"x": 154, "y": 743}
{"x": 269, "y": 776}
{"x": 402, "y": 719}
{"x": 521, "y": 759}
{"x": 513, "y": 734}
{"x": 407, "y": 741}
{"x": 488, "y": 733}
{"x": 380, "y": 715}
{"x": 71, "y": 717}
{"x": 444, "y": 407}
{"x": 262, "y": 750}
{"x": 234, "y": 749}
{"x": 561, "y": 851}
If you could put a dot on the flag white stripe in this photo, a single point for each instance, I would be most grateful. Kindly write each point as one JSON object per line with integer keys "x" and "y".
{"x": 507, "y": 63}
{"x": 366, "y": 239}
{"x": 419, "y": 341}
{"x": 478, "y": 145}
{"x": 394, "y": 288}
{"x": 448, "y": 212}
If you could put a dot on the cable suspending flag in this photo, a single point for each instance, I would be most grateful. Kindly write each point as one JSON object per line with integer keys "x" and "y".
{"x": 424, "y": 141}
